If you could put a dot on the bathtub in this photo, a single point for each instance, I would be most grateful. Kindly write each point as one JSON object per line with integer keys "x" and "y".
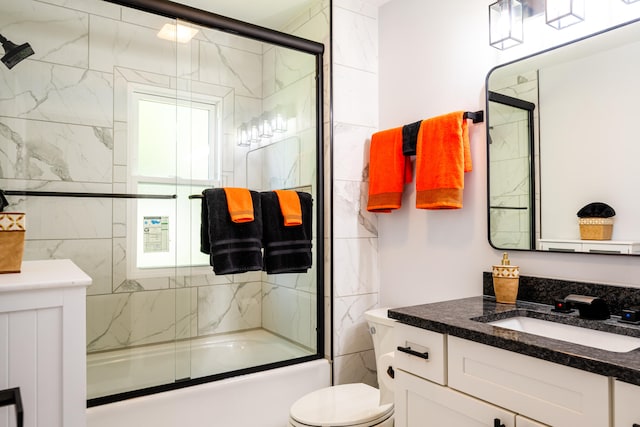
{"x": 260, "y": 399}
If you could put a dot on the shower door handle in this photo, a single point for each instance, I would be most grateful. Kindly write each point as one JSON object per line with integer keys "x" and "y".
{"x": 12, "y": 396}
{"x": 412, "y": 352}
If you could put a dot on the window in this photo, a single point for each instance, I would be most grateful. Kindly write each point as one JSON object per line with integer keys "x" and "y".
{"x": 173, "y": 149}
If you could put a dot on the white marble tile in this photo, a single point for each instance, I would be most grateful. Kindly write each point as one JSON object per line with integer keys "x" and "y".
{"x": 57, "y": 93}
{"x": 316, "y": 28}
{"x": 365, "y": 7}
{"x": 120, "y": 44}
{"x": 355, "y": 368}
{"x": 128, "y": 319}
{"x": 355, "y": 99}
{"x": 186, "y": 313}
{"x": 350, "y": 215}
{"x": 142, "y": 284}
{"x": 357, "y": 45}
{"x": 120, "y": 144}
{"x": 95, "y": 7}
{"x": 34, "y": 149}
{"x": 212, "y": 36}
{"x": 63, "y": 217}
{"x": 93, "y": 256}
{"x": 356, "y": 267}
{"x": 291, "y": 66}
{"x": 287, "y": 312}
{"x": 351, "y": 333}
{"x": 119, "y": 218}
{"x": 233, "y": 68}
{"x": 56, "y": 34}
{"x": 351, "y": 151}
{"x": 224, "y": 308}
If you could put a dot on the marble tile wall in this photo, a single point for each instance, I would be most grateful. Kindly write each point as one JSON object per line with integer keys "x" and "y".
{"x": 87, "y": 54}
{"x": 355, "y": 236}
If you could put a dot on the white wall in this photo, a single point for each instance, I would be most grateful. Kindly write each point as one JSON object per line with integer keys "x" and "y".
{"x": 434, "y": 57}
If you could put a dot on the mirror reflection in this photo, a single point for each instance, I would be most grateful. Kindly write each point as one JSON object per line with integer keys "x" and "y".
{"x": 561, "y": 134}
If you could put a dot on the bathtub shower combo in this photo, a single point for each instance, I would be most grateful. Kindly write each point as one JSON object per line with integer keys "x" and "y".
{"x": 120, "y": 116}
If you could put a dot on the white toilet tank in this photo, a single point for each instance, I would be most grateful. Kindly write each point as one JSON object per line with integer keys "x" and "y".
{"x": 381, "y": 329}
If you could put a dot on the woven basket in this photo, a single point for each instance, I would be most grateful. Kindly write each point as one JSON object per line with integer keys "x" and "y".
{"x": 595, "y": 228}
{"x": 11, "y": 241}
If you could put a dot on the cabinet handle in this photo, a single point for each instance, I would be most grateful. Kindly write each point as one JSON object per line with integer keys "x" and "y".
{"x": 12, "y": 396}
{"x": 497, "y": 423}
{"x": 408, "y": 350}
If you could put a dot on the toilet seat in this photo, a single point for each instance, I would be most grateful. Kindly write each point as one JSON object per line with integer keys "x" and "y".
{"x": 352, "y": 405}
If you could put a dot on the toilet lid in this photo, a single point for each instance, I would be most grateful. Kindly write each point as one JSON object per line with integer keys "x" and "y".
{"x": 341, "y": 405}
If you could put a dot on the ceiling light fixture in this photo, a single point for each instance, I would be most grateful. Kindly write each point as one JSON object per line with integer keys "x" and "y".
{"x": 180, "y": 33}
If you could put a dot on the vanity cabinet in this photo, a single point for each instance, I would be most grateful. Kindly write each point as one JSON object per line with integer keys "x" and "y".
{"x": 626, "y": 412}
{"x": 42, "y": 343}
{"x": 488, "y": 386}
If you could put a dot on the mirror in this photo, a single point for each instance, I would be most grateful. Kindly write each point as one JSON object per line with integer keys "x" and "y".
{"x": 561, "y": 133}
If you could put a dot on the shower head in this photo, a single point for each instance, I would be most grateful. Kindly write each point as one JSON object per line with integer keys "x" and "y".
{"x": 14, "y": 53}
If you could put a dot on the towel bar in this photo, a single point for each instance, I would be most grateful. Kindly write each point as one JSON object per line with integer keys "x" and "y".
{"x": 476, "y": 117}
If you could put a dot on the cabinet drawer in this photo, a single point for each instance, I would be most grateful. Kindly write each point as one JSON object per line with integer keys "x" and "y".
{"x": 606, "y": 248}
{"x": 420, "y": 352}
{"x": 551, "y": 393}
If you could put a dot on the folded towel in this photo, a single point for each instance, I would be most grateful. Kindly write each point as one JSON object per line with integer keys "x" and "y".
{"x": 410, "y": 138}
{"x": 286, "y": 249}
{"x": 290, "y": 207}
{"x": 232, "y": 247}
{"x": 442, "y": 157}
{"x": 239, "y": 204}
{"x": 389, "y": 170}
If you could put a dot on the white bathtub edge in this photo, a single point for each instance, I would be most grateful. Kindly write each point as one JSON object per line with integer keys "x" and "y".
{"x": 259, "y": 399}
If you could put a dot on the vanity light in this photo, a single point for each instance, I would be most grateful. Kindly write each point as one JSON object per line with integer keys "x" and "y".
{"x": 254, "y": 133}
{"x": 505, "y": 23}
{"x": 279, "y": 121}
{"x": 180, "y": 33}
{"x": 243, "y": 137}
{"x": 562, "y": 13}
{"x": 264, "y": 126}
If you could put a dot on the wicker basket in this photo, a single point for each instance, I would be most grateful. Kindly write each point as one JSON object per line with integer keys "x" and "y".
{"x": 595, "y": 228}
{"x": 11, "y": 241}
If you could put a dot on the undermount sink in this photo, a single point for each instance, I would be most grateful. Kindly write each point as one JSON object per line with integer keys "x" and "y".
{"x": 574, "y": 334}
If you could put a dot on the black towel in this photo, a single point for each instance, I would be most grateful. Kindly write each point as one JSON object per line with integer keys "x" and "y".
{"x": 286, "y": 249}
{"x": 232, "y": 247}
{"x": 410, "y": 138}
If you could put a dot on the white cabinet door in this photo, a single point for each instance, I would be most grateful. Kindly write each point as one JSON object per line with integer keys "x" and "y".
{"x": 526, "y": 422}
{"x": 421, "y": 403}
{"x": 626, "y": 400}
{"x": 554, "y": 394}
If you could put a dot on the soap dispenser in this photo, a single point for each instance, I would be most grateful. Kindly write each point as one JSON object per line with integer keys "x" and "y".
{"x": 506, "y": 278}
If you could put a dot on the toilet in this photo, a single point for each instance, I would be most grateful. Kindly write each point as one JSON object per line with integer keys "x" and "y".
{"x": 354, "y": 405}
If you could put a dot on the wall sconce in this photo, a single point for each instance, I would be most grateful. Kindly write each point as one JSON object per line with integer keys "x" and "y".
{"x": 279, "y": 121}
{"x": 243, "y": 137}
{"x": 254, "y": 134}
{"x": 264, "y": 126}
{"x": 562, "y": 13}
{"x": 505, "y": 24}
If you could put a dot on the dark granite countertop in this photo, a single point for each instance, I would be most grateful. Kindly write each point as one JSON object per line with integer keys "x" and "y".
{"x": 456, "y": 318}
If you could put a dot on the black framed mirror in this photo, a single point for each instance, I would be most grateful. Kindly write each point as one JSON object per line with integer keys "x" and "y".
{"x": 561, "y": 133}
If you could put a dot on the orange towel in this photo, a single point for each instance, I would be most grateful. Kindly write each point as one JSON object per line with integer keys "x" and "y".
{"x": 389, "y": 170}
{"x": 239, "y": 204}
{"x": 443, "y": 156}
{"x": 290, "y": 207}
